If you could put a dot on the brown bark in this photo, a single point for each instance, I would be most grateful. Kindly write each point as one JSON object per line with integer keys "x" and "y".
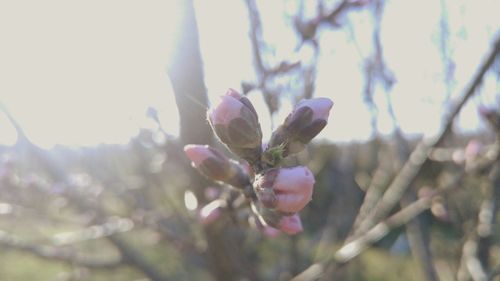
{"x": 186, "y": 74}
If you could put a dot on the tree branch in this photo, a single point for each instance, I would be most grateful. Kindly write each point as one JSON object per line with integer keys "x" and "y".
{"x": 57, "y": 253}
{"x": 419, "y": 157}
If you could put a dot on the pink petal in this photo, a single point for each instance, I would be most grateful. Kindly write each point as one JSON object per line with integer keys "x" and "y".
{"x": 293, "y": 188}
{"x": 291, "y": 224}
{"x": 228, "y": 109}
{"x": 320, "y": 106}
{"x": 197, "y": 153}
{"x": 233, "y": 93}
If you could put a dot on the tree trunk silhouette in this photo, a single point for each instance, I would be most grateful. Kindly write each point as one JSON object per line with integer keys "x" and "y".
{"x": 186, "y": 74}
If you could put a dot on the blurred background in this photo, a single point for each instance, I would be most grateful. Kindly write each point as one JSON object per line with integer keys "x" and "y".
{"x": 97, "y": 99}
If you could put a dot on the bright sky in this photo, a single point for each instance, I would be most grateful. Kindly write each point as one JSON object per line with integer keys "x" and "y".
{"x": 84, "y": 72}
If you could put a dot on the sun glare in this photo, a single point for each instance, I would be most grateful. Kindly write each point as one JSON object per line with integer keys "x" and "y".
{"x": 84, "y": 73}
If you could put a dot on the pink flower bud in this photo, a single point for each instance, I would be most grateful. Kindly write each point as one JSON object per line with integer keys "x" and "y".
{"x": 199, "y": 153}
{"x": 214, "y": 165}
{"x": 209, "y": 161}
{"x": 236, "y": 123}
{"x": 304, "y": 123}
{"x": 290, "y": 224}
{"x": 286, "y": 189}
{"x": 228, "y": 109}
{"x": 319, "y": 106}
{"x": 210, "y": 213}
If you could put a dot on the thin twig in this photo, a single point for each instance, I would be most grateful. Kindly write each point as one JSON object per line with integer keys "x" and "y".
{"x": 374, "y": 227}
{"x": 353, "y": 248}
{"x": 419, "y": 157}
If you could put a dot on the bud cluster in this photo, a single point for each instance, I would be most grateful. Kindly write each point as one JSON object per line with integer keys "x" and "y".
{"x": 275, "y": 194}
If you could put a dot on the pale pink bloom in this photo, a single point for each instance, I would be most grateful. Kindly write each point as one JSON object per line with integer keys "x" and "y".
{"x": 286, "y": 189}
{"x": 320, "y": 107}
{"x": 198, "y": 153}
{"x": 210, "y": 212}
{"x": 293, "y": 188}
{"x": 290, "y": 224}
{"x": 228, "y": 109}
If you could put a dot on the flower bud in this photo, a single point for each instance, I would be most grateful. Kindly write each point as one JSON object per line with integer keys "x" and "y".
{"x": 290, "y": 224}
{"x": 236, "y": 123}
{"x": 214, "y": 165}
{"x": 286, "y": 189}
{"x": 304, "y": 123}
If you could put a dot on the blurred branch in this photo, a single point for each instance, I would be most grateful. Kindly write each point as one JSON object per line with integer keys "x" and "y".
{"x": 307, "y": 31}
{"x": 476, "y": 250}
{"x": 445, "y": 50}
{"x": 133, "y": 257}
{"x": 419, "y": 157}
{"x": 379, "y": 181}
{"x": 129, "y": 254}
{"x": 416, "y": 229}
{"x": 374, "y": 226}
{"x": 21, "y": 136}
{"x": 470, "y": 264}
{"x": 488, "y": 218}
{"x": 56, "y": 253}
{"x": 93, "y": 232}
{"x": 353, "y": 248}
{"x": 264, "y": 72}
{"x": 376, "y": 71}
{"x": 375, "y": 68}
{"x": 256, "y": 35}
{"x": 333, "y": 16}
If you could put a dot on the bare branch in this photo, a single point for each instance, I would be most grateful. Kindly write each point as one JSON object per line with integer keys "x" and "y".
{"x": 419, "y": 157}
{"x": 374, "y": 226}
{"x": 353, "y": 248}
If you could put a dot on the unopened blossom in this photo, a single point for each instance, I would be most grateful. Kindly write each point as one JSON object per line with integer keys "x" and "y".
{"x": 235, "y": 122}
{"x": 290, "y": 224}
{"x": 214, "y": 165}
{"x": 304, "y": 123}
{"x": 285, "y": 189}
